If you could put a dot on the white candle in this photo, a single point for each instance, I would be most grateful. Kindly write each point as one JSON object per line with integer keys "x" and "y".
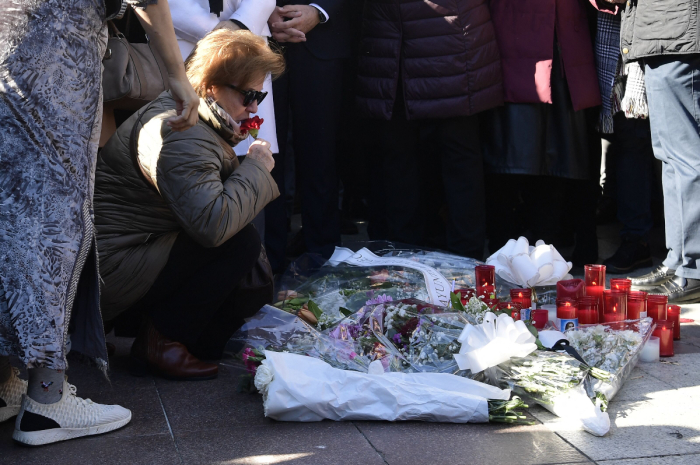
{"x": 650, "y": 351}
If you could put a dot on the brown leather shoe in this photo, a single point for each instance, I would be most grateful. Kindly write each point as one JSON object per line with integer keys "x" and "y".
{"x": 169, "y": 359}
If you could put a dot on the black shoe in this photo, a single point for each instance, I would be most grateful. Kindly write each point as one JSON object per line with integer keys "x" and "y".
{"x": 659, "y": 276}
{"x": 631, "y": 255}
{"x": 680, "y": 290}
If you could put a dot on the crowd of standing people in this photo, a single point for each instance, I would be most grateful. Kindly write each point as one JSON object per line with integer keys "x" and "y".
{"x": 436, "y": 121}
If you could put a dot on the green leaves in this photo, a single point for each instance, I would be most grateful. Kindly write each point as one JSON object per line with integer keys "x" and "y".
{"x": 345, "y": 311}
{"x": 456, "y": 302}
{"x": 313, "y": 308}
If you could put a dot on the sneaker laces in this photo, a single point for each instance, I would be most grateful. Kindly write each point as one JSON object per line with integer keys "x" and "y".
{"x": 79, "y": 401}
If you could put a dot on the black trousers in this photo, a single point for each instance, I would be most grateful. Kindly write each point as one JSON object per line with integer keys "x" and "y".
{"x": 195, "y": 300}
{"x": 311, "y": 89}
{"x": 401, "y": 199}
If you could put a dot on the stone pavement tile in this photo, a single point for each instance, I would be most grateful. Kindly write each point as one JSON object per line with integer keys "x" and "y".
{"x": 691, "y": 459}
{"x": 201, "y": 405}
{"x": 104, "y": 450}
{"x": 641, "y": 386}
{"x": 664, "y": 425}
{"x": 685, "y": 374}
{"x": 323, "y": 443}
{"x": 450, "y": 444}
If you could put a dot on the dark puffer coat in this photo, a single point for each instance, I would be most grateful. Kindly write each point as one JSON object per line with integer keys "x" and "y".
{"x": 444, "y": 52}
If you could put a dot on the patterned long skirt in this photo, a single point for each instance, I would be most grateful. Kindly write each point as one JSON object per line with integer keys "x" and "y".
{"x": 50, "y": 119}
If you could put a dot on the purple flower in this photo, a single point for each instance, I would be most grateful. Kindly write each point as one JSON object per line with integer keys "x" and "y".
{"x": 381, "y": 299}
{"x": 396, "y": 338}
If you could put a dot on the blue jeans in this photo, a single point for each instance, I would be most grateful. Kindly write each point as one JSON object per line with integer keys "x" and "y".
{"x": 673, "y": 92}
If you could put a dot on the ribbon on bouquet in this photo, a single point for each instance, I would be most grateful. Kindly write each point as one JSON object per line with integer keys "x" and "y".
{"x": 437, "y": 285}
{"x": 494, "y": 341}
{"x": 520, "y": 263}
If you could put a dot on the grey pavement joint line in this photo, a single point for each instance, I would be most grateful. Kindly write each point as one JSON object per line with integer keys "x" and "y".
{"x": 167, "y": 421}
{"x": 606, "y": 461}
{"x": 379, "y": 453}
{"x": 564, "y": 439}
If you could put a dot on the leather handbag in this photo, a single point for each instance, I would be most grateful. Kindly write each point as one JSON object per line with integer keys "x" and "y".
{"x": 134, "y": 73}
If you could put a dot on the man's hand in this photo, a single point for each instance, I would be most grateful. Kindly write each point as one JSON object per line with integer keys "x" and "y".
{"x": 226, "y": 24}
{"x": 304, "y": 18}
{"x": 260, "y": 150}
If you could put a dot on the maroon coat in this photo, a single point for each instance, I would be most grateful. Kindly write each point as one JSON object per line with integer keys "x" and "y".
{"x": 525, "y": 30}
{"x": 446, "y": 52}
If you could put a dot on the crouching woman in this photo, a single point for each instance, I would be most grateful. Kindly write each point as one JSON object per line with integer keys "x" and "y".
{"x": 173, "y": 212}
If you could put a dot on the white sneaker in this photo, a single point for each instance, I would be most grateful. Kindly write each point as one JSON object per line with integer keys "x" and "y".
{"x": 69, "y": 418}
{"x": 11, "y": 392}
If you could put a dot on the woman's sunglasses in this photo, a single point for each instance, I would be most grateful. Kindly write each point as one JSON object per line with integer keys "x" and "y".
{"x": 249, "y": 95}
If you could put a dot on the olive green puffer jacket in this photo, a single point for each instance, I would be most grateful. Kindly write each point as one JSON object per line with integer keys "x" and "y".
{"x": 202, "y": 191}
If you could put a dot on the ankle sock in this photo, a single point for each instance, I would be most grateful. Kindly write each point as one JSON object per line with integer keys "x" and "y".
{"x": 5, "y": 369}
{"x": 45, "y": 385}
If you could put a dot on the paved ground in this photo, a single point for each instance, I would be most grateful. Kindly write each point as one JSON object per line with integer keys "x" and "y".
{"x": 654, "y": 418}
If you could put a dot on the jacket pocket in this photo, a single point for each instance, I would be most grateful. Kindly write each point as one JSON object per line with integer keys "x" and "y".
{"x": 662, "y": 19}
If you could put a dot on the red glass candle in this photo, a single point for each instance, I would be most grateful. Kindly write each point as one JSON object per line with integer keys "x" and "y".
{"x": 594, "y": 275}
{"x": 465, "y": 294}
{"x": 566, "y": 308}
{"x": 656, "y": 306}
{"x": 571, "y": 288}
{"x": 614, "y": 305}
{"x": 673, "y": 313}
{"x": 636, "y": 305}
{"x": 619, "y": 284}
{"x": 588, "y": 311}
{"x": 664, "y": 331}
{"x": 491, "y": 303}
{"x": 523, "y": 296}
{"x": 485, "y": 280}
{"x": 509, "y": 306}
{"x": 515, "y": 314}
{"x": 539, "y": 318}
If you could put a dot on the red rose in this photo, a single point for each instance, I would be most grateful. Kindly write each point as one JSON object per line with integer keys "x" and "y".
{"x": 252, "y": 125}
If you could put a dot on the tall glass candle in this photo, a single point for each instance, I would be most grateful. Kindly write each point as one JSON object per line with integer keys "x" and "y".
{"x": 656, "y": 306}
{"x": 485, "y": 280}
{"x": 566, "y": 308}
{"x": 664, "y": 331}
{"x": 588, "y": 311}
{"x": 522, "y": 296}
{"x": 614, "y": 305}
{"x": 620, "y": 284}
{"x": 571, "y": 288}
{"x": 594, "y": 277}
{"x": 636, "y": 305}
{"x": 673, "y": 313}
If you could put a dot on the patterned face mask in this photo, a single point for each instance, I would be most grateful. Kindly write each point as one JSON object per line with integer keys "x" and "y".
{"x": 221, "y": 114}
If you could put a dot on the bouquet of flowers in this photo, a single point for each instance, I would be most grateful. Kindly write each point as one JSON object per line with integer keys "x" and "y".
{"x": 611, "y": 350}
{"x": 556, "y": 382}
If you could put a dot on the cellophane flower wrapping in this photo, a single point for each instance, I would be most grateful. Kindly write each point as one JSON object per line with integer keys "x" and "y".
{"x": 612, "y": 347}
{"x": 557, "y": 382}
{"x": 343, "y": 288}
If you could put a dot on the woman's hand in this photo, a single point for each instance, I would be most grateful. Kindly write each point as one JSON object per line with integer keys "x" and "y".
{"x": 260, "y": 150}
{"x": 186, "y": 104}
